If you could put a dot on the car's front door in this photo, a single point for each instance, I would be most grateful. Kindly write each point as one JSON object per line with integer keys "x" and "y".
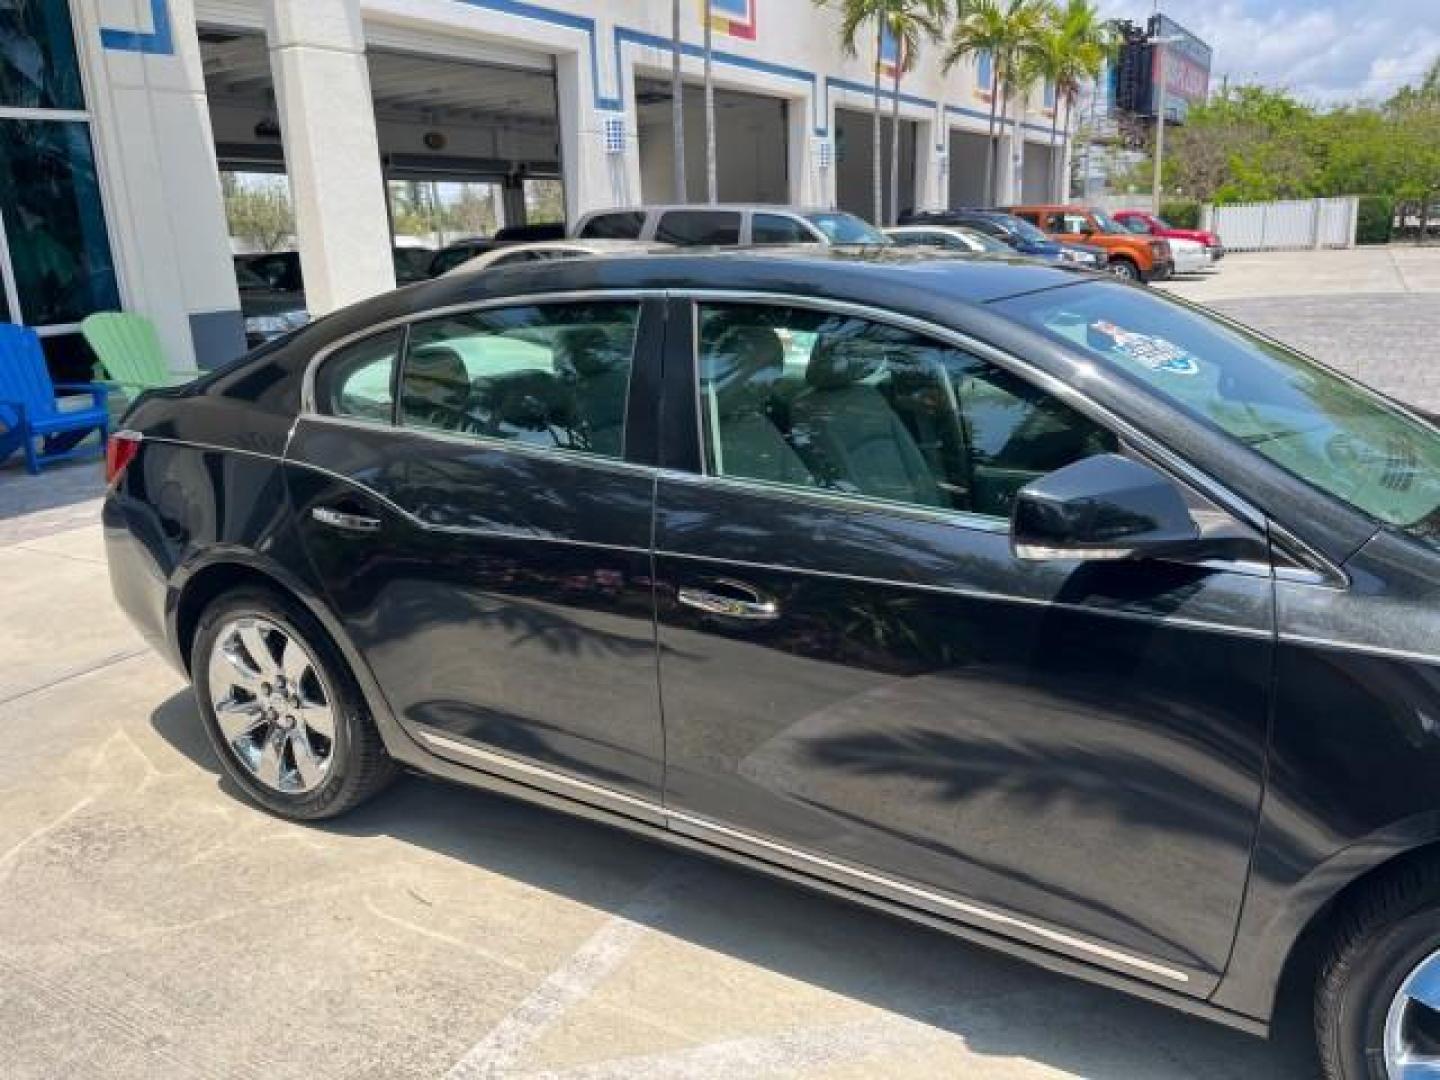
{"x": 474, "y": 494}
{"x": 860, "y": 678}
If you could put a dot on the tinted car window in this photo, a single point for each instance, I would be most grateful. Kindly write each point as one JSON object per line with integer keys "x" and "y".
{"x": 705, "y": 228}
{"x": 774, "y": 229}
{"x": 281, "y": 271}
{"x": 625, "y": 225}
{"x": 842, "y": 228}
{"x": 553, "y": 376}
{"x": 357, "y": 381}
{"x": 811, "y": 400}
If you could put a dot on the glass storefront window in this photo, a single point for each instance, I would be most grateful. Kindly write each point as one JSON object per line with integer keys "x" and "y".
{"x": 38, "y": 64}
{"x": 50, "y": 196}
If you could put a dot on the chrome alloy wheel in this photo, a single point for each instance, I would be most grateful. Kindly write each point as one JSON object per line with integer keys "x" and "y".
{"x": 1412, "y": 1026}
{"x": 274, "y": 709}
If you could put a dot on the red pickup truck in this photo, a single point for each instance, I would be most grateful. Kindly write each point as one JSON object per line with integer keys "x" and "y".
{"x": 1143, "y": 223}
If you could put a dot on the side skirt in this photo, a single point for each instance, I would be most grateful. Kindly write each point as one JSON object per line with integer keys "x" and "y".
{"x": 442, "y": 755}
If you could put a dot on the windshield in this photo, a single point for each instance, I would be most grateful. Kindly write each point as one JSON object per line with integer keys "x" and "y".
{"x": 986, "y": 243}
{"x": 842, "y": 228}
{"x": 247, "y": 279}
{"x": 1332, "y": 433}
{"x": 1024, "y": 230}
{"x": 1106, "y": 224}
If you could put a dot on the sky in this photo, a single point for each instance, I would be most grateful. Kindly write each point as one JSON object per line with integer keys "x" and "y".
{"x": 1324, "y": 51}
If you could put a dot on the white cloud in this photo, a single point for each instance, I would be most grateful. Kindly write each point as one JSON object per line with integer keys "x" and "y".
{"x": 1322, "y": 50}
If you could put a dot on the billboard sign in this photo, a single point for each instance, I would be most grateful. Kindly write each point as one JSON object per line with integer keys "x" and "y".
{"x": 1187, "y": 70}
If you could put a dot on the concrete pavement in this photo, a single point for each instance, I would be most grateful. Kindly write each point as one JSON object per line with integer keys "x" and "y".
{"x": 1396, "y": 270}
{"x": 154, "y": 925}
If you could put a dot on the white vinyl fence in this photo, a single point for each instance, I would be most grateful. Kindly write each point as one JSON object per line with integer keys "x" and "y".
{"x": 1286, "y": 226}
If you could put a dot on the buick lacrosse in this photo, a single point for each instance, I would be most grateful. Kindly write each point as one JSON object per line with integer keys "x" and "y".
{"x": 1021, "y": 603}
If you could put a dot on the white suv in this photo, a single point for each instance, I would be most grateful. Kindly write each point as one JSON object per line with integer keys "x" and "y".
{"x": 727, "y": 225}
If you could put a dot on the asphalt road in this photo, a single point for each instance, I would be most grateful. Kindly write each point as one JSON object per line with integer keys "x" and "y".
{"x": 154, "y": 925}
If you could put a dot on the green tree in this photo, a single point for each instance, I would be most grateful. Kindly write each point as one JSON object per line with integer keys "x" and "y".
{"x": 909, "y": 22}
{"x": 1071, "y": 50}
{"x": 260, "y": 216}
{"x": 1009, "y": 31}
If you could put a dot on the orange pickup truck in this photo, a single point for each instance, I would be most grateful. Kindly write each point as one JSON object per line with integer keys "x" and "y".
{"x": 1135, "y": 258}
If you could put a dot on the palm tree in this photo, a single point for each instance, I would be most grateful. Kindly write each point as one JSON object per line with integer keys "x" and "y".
{"x": 1008, "y": 31}
{"x": 1074, "y": 49}
{"x": 677, "y": 102}
{"x": 907, "y": 21}
{"x": 712, "y": 182}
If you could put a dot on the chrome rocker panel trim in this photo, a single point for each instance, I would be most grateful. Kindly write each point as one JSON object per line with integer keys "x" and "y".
{"x": 759, "y": 847}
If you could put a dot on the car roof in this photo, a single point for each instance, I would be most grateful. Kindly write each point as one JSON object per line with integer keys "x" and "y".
{"x": 923, "y": 283}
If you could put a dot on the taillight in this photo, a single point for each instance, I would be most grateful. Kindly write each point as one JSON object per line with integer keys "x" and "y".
{"x": 119, "y": 452}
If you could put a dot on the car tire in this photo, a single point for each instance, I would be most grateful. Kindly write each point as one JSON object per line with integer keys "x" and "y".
{"x": 1387, "y": 941}
{"x": 315, "y": 760}
{"x": 1123, "y": 269}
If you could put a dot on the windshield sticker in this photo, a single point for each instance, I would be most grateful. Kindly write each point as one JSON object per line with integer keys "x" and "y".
{"x": 1154, "y": 353}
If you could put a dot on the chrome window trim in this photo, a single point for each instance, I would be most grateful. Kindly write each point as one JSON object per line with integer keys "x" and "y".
{"x": 865, "y": 880}
{"x": 1232, "y": 503}
{"x": 580, "y": 458}
{"x": 307, "y": 380}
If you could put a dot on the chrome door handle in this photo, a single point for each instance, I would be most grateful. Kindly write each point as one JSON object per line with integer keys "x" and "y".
{"x": 338, "y": 519}
{"x": 753, "y": 608}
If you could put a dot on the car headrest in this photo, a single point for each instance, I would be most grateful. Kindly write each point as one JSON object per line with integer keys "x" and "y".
{"x": 589, "y": 351}
{"x": 534, "y": 401}
{"x": 436, "y": 376}
{"x": 841, "y": 361}
{"x": 742, "y": 365}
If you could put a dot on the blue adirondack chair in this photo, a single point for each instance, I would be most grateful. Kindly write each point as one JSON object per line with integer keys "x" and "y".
{"x": 29, "y": 410}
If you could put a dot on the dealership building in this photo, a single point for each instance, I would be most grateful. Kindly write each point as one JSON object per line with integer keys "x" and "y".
{"x": 125, "y": 123}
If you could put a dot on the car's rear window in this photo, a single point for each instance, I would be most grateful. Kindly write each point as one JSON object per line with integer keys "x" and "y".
{"x": 1333, "y": 433}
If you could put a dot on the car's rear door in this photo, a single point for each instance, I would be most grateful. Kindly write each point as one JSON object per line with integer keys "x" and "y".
{"x": 860, "y": 679}
{"x": 475, "y": 491}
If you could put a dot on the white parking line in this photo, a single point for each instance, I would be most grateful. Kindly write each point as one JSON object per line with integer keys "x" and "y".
{"x": 603, "y": 952}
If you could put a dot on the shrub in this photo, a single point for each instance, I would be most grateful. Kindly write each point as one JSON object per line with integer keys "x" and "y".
{"x": 1182, "y": 214}
{"x": 1377, "y": 219}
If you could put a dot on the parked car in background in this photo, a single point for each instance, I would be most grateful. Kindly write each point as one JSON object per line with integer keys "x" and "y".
{"x": 412, "y": 264}
{"x": 1131, "y": 257}
{"x": 1043, "y": 610}
{"x": 1190, "y": 256}
{"x": 1018, "y": 233}
{"x": 269, "y": 312}
{"x": 551, "y": 251}
{"x": 729, "y": 225}
{"x": 281, "y": 270}
{"x": 462, "y": 251}
{"x": 1144, "y": 223}
{"x": 951, "y": 238}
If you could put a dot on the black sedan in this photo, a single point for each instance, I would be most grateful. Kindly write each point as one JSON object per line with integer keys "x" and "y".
{"x": 1034, "y": 607}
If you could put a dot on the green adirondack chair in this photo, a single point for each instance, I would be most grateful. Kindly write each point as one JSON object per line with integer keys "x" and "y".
{"x": 130, "y": 354}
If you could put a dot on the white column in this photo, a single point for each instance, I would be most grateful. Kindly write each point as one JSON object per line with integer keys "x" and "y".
{"x": 332, "y": 153}
{"x": 594, "y": 179}
{"x": 166, "y": 216}
{"x": 806, "y": 182}
{"x": 925, "y": 195}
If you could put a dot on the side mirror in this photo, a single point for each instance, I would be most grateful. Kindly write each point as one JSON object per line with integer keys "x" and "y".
{"x": 1103, "y": 508}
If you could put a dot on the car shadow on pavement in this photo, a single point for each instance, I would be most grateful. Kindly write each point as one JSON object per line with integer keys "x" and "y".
{"x": 932, "y": 985}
